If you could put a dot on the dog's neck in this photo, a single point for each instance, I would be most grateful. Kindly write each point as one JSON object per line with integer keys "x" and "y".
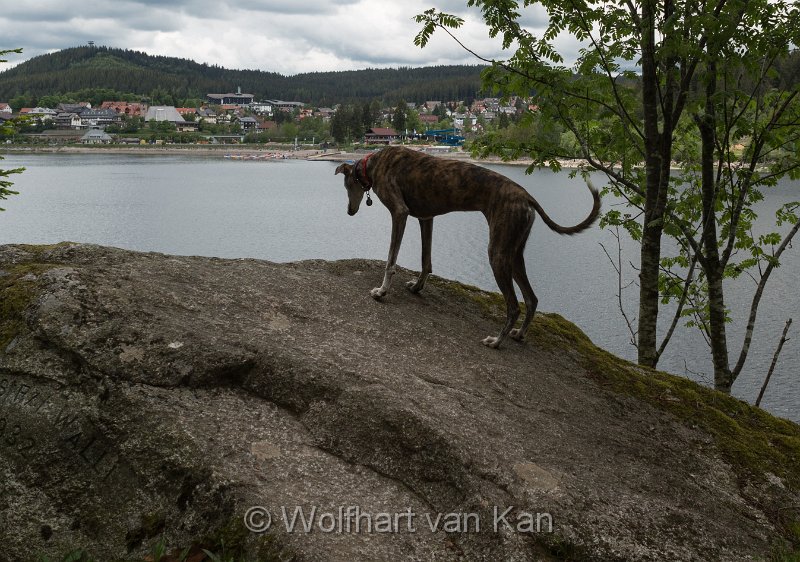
{"x": 366, "y": 183}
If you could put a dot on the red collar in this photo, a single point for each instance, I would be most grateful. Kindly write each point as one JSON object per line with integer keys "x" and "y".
{"x": 367, "y": 183}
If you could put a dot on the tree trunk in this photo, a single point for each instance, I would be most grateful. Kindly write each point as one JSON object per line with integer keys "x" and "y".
{"x": 723, "y": 379}
{"x": 650, "y": 257}
{"x": 650, "y": 251}
{"x": 711, "y": 263}
{"x": 661, "y": 104}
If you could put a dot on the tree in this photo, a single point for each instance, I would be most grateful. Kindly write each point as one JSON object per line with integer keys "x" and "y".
{"x": 312, "y": 128}
{"x": 288, "y": 130}
{"x": 370, "y": 113}
{"x": 22, "y": 100}
{"x": 625, "y": 101}
{"x": 400, "y": 117}
{"x": 597, "y": 105}
{"x": 413, "y": 122}
{"x": 346, "y": 124}
{"x": 746, "y": 128}
{"x": 160, "y": 96}
{"x": 502, "y": 120}
{"x": 128, "y": 124}
{"x": 161, "y": 126}
{"x": 5, "y": 129}
{"x": 192, "y": 102}
{"x": 282, "y": 116}
{"x": 50, "y": 101}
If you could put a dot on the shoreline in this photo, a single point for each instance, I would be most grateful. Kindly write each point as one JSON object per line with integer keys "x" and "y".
{"x": 247, "y": 152}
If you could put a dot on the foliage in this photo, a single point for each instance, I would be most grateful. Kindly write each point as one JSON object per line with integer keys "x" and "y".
{"x": 169, "y": 81}
{"x": 95, "y": 96}
{"x": 313, "y": 128}
{"x": 129, "y": 124}
{"x": 348, "y": 124}
{"x": 400, "y": 116}
{"x": 7, "y": 128}
{"x": 370, "y": 113}
{"x": 744, "y": 136}
{"x": 161, "y": 126}
{"x": 655, "y": 82}
{"x": 622, "y": 122}
{"x": 5, "y": 183}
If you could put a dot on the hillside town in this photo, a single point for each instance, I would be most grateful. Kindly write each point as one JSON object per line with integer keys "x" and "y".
{"x": 237, "y": 117}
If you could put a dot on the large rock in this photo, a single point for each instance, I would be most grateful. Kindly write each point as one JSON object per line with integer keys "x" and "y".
{"x": 147, "y": 401}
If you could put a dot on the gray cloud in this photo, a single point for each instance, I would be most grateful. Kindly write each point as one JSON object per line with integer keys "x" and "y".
{"x": 297, "y": 7}
{"x": 273, "y": 35}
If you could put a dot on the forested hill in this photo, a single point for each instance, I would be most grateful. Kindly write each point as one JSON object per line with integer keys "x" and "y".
{"x": 80, "y": 68}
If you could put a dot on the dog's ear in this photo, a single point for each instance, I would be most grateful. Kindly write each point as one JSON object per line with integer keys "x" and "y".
{"x": 345, "y": 169}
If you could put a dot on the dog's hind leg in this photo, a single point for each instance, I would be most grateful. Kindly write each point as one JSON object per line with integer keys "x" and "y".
{"x": 426, "y": 232}
{"x": 521, "y": 277}
{"x": 398, "y": 228}
{"x": 502, "y": 267}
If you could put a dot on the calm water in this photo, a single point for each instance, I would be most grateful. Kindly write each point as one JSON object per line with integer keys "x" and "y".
{"x": 293, "y": 210}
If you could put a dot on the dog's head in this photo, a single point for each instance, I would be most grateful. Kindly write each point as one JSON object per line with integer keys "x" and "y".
{"x": 355, "y": 191}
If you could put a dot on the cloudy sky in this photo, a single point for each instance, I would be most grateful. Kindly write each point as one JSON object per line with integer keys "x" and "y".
{"x": 286, "y": 36}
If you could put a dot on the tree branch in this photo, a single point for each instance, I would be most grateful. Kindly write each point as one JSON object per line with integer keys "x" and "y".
{"x": 757, "y": 299}
{"x": 677, "y": 316}
{"x": 784, "y": 339}
{"x": 618, "y": 268}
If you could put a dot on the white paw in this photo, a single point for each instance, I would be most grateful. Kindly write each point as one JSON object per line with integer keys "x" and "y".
{"x": 517, "y": 334}
{"x": 377, "y": 292}
{"x": 412, "y": 286}
{"x": 491, "y": 341}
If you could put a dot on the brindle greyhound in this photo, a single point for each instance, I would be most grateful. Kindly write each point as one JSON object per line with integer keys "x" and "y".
{"x": 411, "y": 183}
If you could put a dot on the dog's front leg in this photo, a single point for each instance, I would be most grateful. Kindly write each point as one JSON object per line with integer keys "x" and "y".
{"x": 426, "y": 231}
{"x": 398, "y": 228}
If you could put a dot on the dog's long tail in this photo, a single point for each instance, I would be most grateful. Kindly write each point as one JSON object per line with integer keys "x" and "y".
{"x": 583, "y": 225}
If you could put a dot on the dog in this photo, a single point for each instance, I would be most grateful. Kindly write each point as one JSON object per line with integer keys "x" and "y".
{"x": 410, "y": 183}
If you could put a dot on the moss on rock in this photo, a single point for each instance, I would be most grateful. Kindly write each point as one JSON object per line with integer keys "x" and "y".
{"x": 17, "y": 291}
{"x": 19, "y": 288}
{"x": 751, "y": 440}
{"x": 757, "y": 445}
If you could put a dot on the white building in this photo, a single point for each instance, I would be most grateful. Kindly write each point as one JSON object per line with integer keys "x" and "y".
{"x": 42, "y": 113}
{"x": 261, "y": 107}
{"x": 96, "y": 136}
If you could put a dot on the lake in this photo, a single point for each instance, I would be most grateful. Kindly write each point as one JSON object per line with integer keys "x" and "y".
{"x": 292, "y": 210}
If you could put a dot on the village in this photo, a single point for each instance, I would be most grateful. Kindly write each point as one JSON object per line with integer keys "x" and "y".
{"x": 236, "y": 118}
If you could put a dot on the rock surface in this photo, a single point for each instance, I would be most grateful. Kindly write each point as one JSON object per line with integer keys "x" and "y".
{"x": 147, "y": 398}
